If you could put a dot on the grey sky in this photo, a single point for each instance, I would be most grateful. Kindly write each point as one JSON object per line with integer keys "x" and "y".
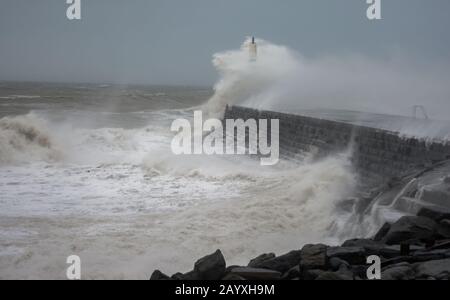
{"x": 172, "y": 41}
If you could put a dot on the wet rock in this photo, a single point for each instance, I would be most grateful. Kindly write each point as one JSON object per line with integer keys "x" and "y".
{"x": 158, "y": 275}
{"x": 192, "y": 275}
{"x": 444, "y": 229}
{"x": 431, "y": 254}
{"x": 441, "y": 245}
{"x": 211, "y": 267}
{"x": 411, "y": 229}
{"x": 345, "y": 271}
{"x": 311, "y": 274}
{"x": 360, "y": 271}
{"x": 335, "y": 263}
{"x": 280, "y": 263}
{"x": 365, "y": 243}
{"x": 404, "y": 272}
{"x": 232, "y": 276}
{"x": 438, "y": 269}
{"x": 314, "y": 257}
{"x": 382, "y": 232}
{"x": 372, "y": 247}
{"x": 292, "y": 273}
{"x": 332, "y": 276}
{"x": 256, "y": 273}
{"x": 434, "y": 213}
{"x": 256, "y": 262}
{"x": 352, "y": 255}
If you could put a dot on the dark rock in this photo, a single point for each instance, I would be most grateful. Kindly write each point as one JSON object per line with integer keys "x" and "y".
{"x": 314, "y": 257}
{"x": 232, "y": 276}
{"x": 254, "y": 263}
{"x": 345, "y": 271}
{"x": 411, "y": 229}
{"x": 256, "y": 274}
{"x": 382, "y": 232}
{"x": 158, "y": 275}
{"x": 192, "y": 275}
{"x": 352, "y": 255}
{"x": 372, "y": 247}
{"x": 311, "y": 274}
{"x": 211, "y": 267}
{"x": 365, "y": 243}
{"x": 404, "y": 272}
{"x": 441, "y": 245}
{"x": 438, "y": 269}
{"x": 292, "y": 273}
{"x": 431, "y": 254}
{"x": 396, "y": 260}
{"x": 360, "y": 271}
{"x": 435, "y": 214}
{"x": 335, "y": 263}
{"x": 280, "y": 263}
{"x": 332, "y": 276}
{"x": 230, "y": 268}
{"x": 444, "y": 229}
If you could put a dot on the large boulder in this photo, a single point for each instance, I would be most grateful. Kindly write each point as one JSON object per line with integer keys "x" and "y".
{"x": 400, "y": 272}
{"x": 332, "y": 276}
{"x": 280, "y": 263}
{"x": 255, "y": 273}
{"x": 372, "y": 247}
{"x": 314, "y": 257}
{"x": 158, "y": 275}
{"x": 254, "y": 263}
{"x": 382, "y": 232}
{"x": 444, "y": 229}
{"x": 436, "y": 214}
{"x": 210, "y": 267}
{"x": 409, "y": 229}
{"x": 439, "y": 269}
{"x": 352, "y": 255}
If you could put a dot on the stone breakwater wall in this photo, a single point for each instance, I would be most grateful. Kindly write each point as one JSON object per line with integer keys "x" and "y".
{"x": 378, "y": 155}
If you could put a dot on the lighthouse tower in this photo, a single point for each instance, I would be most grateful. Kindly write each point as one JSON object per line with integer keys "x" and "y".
{"x": 253, "y": 50}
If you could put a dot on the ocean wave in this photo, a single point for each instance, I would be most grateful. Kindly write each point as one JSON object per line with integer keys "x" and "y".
{"x": 26, "y": 138}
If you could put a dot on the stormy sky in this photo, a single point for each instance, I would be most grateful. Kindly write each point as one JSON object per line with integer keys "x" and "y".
{"x": 172, "y": 41}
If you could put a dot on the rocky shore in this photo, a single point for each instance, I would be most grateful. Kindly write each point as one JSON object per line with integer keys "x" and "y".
{"x": 412, "y": 248}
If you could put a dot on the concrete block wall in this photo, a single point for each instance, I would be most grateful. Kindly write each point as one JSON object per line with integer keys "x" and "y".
{"x": 378, "y": 155}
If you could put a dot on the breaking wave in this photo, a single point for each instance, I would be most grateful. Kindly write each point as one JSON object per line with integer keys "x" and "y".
{"x": 26, "y": 138}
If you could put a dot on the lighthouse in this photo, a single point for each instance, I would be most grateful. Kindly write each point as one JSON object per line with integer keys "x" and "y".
{"x": 253, "y": 50}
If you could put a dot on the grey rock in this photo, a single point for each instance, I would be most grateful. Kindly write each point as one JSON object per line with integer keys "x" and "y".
{"x": 210, "y": 267}
{"x": 441, "y": 245}
{"x": 372, "y": 247}
{"x": 411, "y": 229}
{"x": 254, "y": 263}
{"x": 335, "y": 263}
{"x": 444, "y": 229}
{"x": 436, "y": 268}
{"x": 332, "y": 276}
{"x": 436, "y": 214}
{"x": 352, "y": 255}
{"x": 192, "y": 275}
{"x": 281, "y": 263}
{"x": 256, "y": 273}
{"x": 398, "y": 273}
{"x": 314, "y": 257}
{"x": 292, "y": 273}
{"x": 158, "y": 275}
{"x": 311, "y": 274}
{"x": 359, "y": 271}
{"x": 231, "y": 276}
{"x": 382, "y": 232}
